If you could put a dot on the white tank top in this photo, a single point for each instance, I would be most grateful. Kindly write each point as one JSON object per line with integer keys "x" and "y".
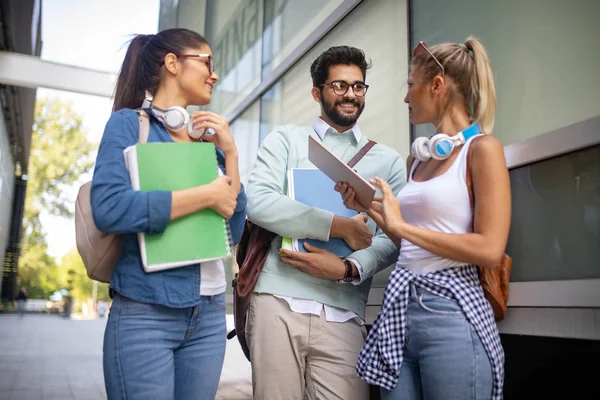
{"x": 439, "y": 204}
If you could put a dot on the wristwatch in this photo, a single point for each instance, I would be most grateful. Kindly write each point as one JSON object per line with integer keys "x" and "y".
{"x": 348, "y": 274}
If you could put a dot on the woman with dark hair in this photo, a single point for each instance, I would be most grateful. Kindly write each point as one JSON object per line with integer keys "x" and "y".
{"x": 165, "y": 335}
{"x": 435, "y": 336}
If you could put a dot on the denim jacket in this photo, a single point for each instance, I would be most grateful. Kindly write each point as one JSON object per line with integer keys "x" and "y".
{"x": 117, "y": 208}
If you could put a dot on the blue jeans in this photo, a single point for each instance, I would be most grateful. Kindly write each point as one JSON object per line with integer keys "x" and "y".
{"x": 162, "y": 353}
{"x": 443, "y": 355}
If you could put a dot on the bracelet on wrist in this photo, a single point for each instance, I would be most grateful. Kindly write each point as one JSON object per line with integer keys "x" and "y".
{"x": 348, "y": 273}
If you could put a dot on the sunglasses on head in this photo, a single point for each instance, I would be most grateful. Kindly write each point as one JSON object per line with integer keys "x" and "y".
{"x": 422, "y": 49}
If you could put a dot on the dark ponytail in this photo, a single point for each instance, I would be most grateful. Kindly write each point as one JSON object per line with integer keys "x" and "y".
{"x": 141, "y": 68}
{"x": 132, "y": 82}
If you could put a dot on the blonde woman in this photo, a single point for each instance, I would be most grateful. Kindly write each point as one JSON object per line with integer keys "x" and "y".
{"x": 435, "y": 337}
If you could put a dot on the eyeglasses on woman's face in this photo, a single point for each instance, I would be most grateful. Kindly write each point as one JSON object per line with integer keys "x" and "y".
{"x": 206, "y": 58}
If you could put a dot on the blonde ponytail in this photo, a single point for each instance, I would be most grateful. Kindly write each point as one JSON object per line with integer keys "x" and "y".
{"x": 483, "y": 89}
{"x": 469, "y": 68}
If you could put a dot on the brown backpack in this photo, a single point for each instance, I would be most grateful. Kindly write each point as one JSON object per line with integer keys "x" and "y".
{"x": 99, "y": 251}
{"x": 251, "y": 254}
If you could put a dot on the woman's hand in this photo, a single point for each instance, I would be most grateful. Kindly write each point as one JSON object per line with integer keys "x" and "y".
{"x": 219, "y": 195}
{"x": 224, "y": 197}
{"x": 385, "y": 210}
{"x": 222, "y": 138}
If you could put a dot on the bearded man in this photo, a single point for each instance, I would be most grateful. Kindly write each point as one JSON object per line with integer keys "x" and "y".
{"x": 305, "y": 322}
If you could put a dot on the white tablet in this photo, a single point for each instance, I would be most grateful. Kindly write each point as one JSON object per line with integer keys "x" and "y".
{"x": 339, "y": 171}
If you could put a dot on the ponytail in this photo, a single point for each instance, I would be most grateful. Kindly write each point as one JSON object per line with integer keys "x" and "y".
{"x": 469, "y": 68}
{"x": 132, "y": 82}
{"x": 483, "y": 89}
{"x": 143, "y": 63}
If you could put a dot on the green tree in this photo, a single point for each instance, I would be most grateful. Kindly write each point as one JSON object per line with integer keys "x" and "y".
{"x": 60, "y": 154}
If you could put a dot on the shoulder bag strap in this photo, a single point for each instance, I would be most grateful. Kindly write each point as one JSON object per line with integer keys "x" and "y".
{"x": 361, "y": 153}
{"x": 469, "y": 178}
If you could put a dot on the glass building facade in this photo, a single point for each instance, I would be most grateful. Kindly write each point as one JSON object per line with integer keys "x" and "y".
{"x": 21, "y": 22}
{"x": 263, "y": 50}
{"x": 7, "y": 178}
{"x": 544, "y": 58}
{"x": 545, "y": 79}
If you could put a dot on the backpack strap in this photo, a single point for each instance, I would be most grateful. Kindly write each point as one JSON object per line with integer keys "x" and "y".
{"x": 361, "y": 153}
{"x": 494, "y": 281}
{"x": 144, "y": 125}
{"x": 469, "y": 177}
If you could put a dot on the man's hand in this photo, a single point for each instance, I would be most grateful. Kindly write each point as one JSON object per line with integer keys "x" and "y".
{"x": 358, "y": 236}
{"x": 317, "y": 262}
{"x": 354, "y": 231}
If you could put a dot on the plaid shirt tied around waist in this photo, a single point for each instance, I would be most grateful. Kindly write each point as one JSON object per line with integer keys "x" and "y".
{"x": 381, "y": 356}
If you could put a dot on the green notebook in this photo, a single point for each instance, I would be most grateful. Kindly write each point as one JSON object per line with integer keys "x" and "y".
{"x": 195, "y": 238}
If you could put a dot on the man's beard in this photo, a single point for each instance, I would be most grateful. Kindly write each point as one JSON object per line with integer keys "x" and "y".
{"x": 338, "y": 118}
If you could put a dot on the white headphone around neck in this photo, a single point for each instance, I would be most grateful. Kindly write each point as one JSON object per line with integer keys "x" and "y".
{"x": 440, "y": 145}
{"x": 175, "y": 118}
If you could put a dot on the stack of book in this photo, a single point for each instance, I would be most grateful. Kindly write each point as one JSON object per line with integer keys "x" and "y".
{"x": 313, "y": 188}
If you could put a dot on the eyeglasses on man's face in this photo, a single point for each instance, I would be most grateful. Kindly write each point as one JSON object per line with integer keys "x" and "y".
{"x": 421, "y": 49}
{"x": 341, "y": 87}
{"x": 206, "y": 58}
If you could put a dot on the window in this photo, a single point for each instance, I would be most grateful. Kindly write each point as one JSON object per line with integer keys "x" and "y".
{"x": 287, "y": 24}
{"x": 245, "y": 131}
{"x": 555, "y": 228}
{"x": 385, "y": 117}
{"x": 543, "y": 55}
{"x": 234, "y": 30}
{"x": 6, "y": 186}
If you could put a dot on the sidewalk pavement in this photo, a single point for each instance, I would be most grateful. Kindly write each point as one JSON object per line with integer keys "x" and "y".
{"x": 48, "y": 357}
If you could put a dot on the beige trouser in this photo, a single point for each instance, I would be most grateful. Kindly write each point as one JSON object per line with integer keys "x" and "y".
{"x": 302, "y": 356}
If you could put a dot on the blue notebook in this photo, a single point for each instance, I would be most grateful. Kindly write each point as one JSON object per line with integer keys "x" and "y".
{"x": 313, "y": 188}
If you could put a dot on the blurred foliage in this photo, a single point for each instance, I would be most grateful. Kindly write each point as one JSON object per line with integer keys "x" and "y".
{"x": 78, "y": 283}
{"x": 60, "y": 155}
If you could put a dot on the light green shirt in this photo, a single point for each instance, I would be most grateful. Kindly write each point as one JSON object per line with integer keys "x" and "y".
{"x": 268, "y": 206}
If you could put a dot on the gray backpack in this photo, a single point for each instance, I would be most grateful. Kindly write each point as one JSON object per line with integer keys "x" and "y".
{"x": 98, "y": 250}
